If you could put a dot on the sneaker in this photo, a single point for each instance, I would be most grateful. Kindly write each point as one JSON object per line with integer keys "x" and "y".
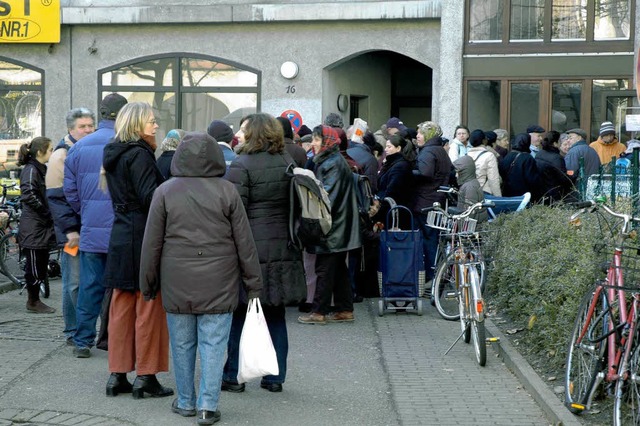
{"x": 312, "y": 318}
{"x": 81, "y": 352}
{"x": 344, "y": 316}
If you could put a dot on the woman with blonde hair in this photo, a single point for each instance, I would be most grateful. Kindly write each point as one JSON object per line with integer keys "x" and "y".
{"x": 138, "y": 336}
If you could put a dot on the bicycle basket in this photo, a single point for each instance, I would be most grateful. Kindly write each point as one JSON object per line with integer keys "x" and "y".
{"x": 438, "y": 220}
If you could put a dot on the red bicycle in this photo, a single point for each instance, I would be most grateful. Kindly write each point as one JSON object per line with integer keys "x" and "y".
{"x": 604, "y": 349}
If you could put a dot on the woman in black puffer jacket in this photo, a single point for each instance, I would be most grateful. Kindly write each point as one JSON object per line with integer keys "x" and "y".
{"x": 260, "y": 175}
{"x": 35, "y": 234}
{"x": 553, "y": 172}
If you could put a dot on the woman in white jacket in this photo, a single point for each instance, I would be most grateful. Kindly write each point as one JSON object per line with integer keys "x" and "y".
{"x": 460, "y": 144}
{"x": 486, "y": 164}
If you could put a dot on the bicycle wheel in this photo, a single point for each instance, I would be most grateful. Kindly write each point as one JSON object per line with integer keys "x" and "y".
{"x": 445, "y": 293}
{"x": 626, "y": 408}
{"x": 479, "y": 342}
{"x": 11, "y": 263}
{"x": 586, "y": 350}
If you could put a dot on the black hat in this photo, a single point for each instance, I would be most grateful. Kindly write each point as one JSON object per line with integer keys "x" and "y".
{"x": 111, "y": 105}
{"x": 491, "y": 136}
{"x": 534, "y": 128}
{"x": 220, "y": 131}
{"x": 476, "y": 137}
{"x": 304, "y": 130}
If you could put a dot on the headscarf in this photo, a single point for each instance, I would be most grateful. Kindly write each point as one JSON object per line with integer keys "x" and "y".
{"x": 330, "y": 138}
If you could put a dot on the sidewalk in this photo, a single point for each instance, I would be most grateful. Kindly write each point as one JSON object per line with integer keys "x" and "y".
{"x": 376, "y": 371}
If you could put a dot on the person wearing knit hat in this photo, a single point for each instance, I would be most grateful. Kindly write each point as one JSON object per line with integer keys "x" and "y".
{"x": 334, "y": 120}
{"x": 607, "y": 145}
{"x": 394, "y": 125}
{"x": 222, "y": 133}
{"x": 168, "y": 148}
{"x": 331, "y": 269}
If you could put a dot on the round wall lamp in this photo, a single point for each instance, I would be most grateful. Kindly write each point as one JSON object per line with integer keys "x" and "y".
{"x": 289, "y": 69}
{"x": 343, "y": 102}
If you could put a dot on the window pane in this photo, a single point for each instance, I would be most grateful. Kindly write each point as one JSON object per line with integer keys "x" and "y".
{"x": 605, "y": 104}
{"x": 204, "y": 73}
{"x": 483, "y": 105}
{"x": 156, "y": 73}
{"x": 164, "y": 108}
{"x": 199, "y": 109}
{"x": 20, "y": 121}
{"x": 569, "y": 20}
{"x": 527, "y": 19}
{"x": 525, "y": 103}
{"x": 13, "y": 74}
{"x": 486, "y": 20}
{"x": 612, "y": 20}
{"x": 565, "y": 106}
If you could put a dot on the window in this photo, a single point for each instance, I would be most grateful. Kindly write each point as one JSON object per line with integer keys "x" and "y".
{"x": 483, "y": 104}
{"x": 186, "y": 92}
{"x": 20, "y": 106}
{"x": 486, "y": 20}
{"x": 549, "y": 26}
{"x": 565, "y": 106}
{"x": 526, "y": 20}
{"x": 525, "y": 104}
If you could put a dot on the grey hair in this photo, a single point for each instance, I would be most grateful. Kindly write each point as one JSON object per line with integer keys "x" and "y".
{"x": 501, "y": 134}
{"x": 76, "y": 113}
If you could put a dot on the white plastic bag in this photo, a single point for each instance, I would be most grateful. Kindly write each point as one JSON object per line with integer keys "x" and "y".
{"x": 257, "y": 355}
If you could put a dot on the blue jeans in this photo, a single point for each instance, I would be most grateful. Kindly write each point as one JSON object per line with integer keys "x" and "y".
{"x": 430, "y": 238}
{"x": 70, "y": 266}
{"x": 209, "y": 333}
{"x": 276, "y": 321}
{"x": 90, "y": 295}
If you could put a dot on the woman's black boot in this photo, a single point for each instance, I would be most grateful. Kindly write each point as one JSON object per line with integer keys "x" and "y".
{"x": 149, "y": 384}
{"x": 118, "y": 383}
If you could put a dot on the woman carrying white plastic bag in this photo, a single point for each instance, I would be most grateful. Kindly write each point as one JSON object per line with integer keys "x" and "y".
{"x": 257, "y": 354}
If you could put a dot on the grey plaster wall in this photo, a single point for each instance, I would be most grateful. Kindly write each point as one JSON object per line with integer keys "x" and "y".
{"x": 447, "y": 105}
{"x": 72, "y": 66}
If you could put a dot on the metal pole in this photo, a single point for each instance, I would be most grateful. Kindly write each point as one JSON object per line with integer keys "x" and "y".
{"x": 613, "y": 181}
{"x": 582, "y": 185}
{"x": 634, "y": 181}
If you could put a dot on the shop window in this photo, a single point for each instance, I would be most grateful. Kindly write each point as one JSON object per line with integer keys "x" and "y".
{"x": 525, "y": 104}
{"x": 483, "y": 104}
{"x": 527, "y": 18}
{"x": 20, "y": 106}
{"x": 186, "y": 92}
{"x": 612, "y": 19}
{"x": 486, "y": 20}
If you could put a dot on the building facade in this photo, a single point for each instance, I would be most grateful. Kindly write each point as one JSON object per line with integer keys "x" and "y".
{"x": 486, "y": 63}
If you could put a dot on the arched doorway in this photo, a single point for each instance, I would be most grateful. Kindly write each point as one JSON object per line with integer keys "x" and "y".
{"x": 377, "y": 85}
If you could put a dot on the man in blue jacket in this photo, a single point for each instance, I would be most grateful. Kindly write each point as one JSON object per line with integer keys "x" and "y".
{"x": 66, "y": 222}
{"x": 82, "y": 189}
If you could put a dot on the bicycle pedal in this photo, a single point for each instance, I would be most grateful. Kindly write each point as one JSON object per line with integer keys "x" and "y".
{"x": 577, "y": 406}
{"x": 492, "y": 340}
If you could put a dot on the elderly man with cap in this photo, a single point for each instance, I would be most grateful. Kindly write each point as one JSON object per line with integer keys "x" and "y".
{"x": 579, "y": 149}
{"x": 394, "y": 125}
{"x": 537, "y": 134}
{"x": 607, "y": 145}
{"x": 222, "y": 133}
{"x": 81, "y": 187}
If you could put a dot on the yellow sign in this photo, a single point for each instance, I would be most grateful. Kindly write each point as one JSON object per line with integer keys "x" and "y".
{"x": 29, "y": 21}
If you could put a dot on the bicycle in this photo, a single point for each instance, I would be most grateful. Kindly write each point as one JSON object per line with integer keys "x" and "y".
{"x": 603, "y": 345}
{"x": 457, "y": 281}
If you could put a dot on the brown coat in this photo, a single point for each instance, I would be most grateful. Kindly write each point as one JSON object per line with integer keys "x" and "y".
{"x": 197, "y": 245}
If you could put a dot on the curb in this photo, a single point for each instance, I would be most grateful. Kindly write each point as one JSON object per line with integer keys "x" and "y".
{"x": 7, "y": 286}
{"x": 548, "y": 401}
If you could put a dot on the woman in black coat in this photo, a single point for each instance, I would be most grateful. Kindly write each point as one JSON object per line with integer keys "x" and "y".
{"x": 35, "y": 234}
{"x": 168, "y": 148}
{"x": 395, "y": 178}
{"x": 260, "y": 175}
{"x": 553, "y": 171}
{"x": 518, "y": 170}
{"x": 138, "y": 335}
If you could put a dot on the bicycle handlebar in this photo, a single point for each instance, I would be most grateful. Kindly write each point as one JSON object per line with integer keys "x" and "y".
{"x": 595, "y": 205}
{"x": 477, "y": 206}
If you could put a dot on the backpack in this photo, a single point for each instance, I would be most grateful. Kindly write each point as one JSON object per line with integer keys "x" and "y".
{"x": 364, "y": 194}
{"x": 310, "y": 208}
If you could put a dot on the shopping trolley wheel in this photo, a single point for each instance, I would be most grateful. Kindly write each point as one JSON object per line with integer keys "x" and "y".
{"x": 381, "y": 307}
{"x": 419, "y": 307}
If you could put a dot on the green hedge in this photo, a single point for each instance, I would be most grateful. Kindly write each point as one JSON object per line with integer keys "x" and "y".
{"x": 542, "y": 267}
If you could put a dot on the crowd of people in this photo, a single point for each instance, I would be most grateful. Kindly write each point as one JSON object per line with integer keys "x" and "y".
{"x": 169, "y": 251}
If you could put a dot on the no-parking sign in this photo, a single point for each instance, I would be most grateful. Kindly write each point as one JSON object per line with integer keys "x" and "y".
{"x": 294, "y": 118}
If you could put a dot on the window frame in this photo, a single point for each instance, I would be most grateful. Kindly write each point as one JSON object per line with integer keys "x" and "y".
{"x": 589, "y": 45}
{"x": 29, "y": 88}
{"x": 176, "y": 86}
